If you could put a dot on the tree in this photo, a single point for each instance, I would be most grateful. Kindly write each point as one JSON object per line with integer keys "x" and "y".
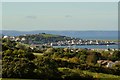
{"x": 93, "y": 57}
{"x": 74, "y": 60}
{"x": 18, "y": 64}
{"x": 22, "y": 68}
{"x": 49, "y": 52}
{"x": 115, "y": 56}
{"x": 21, "y": 46}
{"x": 46, "y": 68}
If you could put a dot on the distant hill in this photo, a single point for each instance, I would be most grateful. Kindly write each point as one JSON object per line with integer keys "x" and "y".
{"x": 41, "y": 38}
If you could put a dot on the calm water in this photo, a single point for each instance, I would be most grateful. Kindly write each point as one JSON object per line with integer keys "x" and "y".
{"x": 91, "y": 46}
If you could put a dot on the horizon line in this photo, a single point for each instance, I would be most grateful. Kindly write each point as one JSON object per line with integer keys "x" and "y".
{"x": 57, "y": 30}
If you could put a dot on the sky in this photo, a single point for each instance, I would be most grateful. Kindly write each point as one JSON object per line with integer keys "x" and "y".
{"x": 60, "y": 0}
{"x": 28, "y": 16}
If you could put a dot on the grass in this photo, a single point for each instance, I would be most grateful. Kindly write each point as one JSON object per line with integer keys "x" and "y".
{"x": 100, "y": 76}
{"x": 38, "y": 55}
{"x": 97, "y": 76}
{"x": 49, "y": 35}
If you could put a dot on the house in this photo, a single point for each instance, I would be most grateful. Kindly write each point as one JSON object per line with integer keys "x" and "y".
{"x": 99, "y": 61}
{"x": 17, "y": 39}
{"x": 110, "y": 64}
{"x": 23, "y": 39}
{"x": 5, "y": 37}
{"x": 12, "y": 38}
{"x": 117, "y": 62}
{"x": 106, "y": 63}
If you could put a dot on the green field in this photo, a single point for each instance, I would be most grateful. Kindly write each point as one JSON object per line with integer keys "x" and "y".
{"x": 48, "y": 35}
{"x": 100, "y": 76}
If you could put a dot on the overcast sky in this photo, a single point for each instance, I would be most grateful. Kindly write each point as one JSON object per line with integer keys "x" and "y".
{"x": 25, "y": 16}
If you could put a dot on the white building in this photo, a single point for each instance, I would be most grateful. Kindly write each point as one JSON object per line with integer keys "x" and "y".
{"x": 5, "y": 37}
{"x": 23, "y": 39}
{"x": 110, "y": 64}
{"x": 17, "y": 39}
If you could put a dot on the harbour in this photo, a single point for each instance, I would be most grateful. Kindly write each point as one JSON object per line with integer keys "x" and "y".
{"x": 91, "y": 46}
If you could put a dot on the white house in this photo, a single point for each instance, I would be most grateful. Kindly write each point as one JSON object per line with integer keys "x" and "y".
{"x": 110, "y": 64}
{"x": 5, "y": 37}
{"x": 23, "y": 39}
{"x": 17, "y": 39}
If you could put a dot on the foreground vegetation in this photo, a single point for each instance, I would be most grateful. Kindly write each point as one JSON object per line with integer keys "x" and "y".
{"x": 94, "y": 74}
{"x": 56, "y": 63}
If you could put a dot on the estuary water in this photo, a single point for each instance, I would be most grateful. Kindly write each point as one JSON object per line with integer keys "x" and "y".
{"x": 91, "y": 46}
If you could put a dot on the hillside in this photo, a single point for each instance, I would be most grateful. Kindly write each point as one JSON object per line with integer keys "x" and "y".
{"x": 41, "y": 38}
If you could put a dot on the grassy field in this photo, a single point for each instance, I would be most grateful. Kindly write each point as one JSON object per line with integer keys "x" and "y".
{"x": 38, "y": 54}
{"x": 48, "y": 35}
{"x": 100, "y": 76}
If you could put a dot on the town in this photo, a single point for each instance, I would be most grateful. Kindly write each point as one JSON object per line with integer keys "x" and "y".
{"x": 53, "y": 40}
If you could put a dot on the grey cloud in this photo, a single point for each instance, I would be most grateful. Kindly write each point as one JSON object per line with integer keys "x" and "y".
{"x": 31, "y": 17}
{"x": 68, "y": 16}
